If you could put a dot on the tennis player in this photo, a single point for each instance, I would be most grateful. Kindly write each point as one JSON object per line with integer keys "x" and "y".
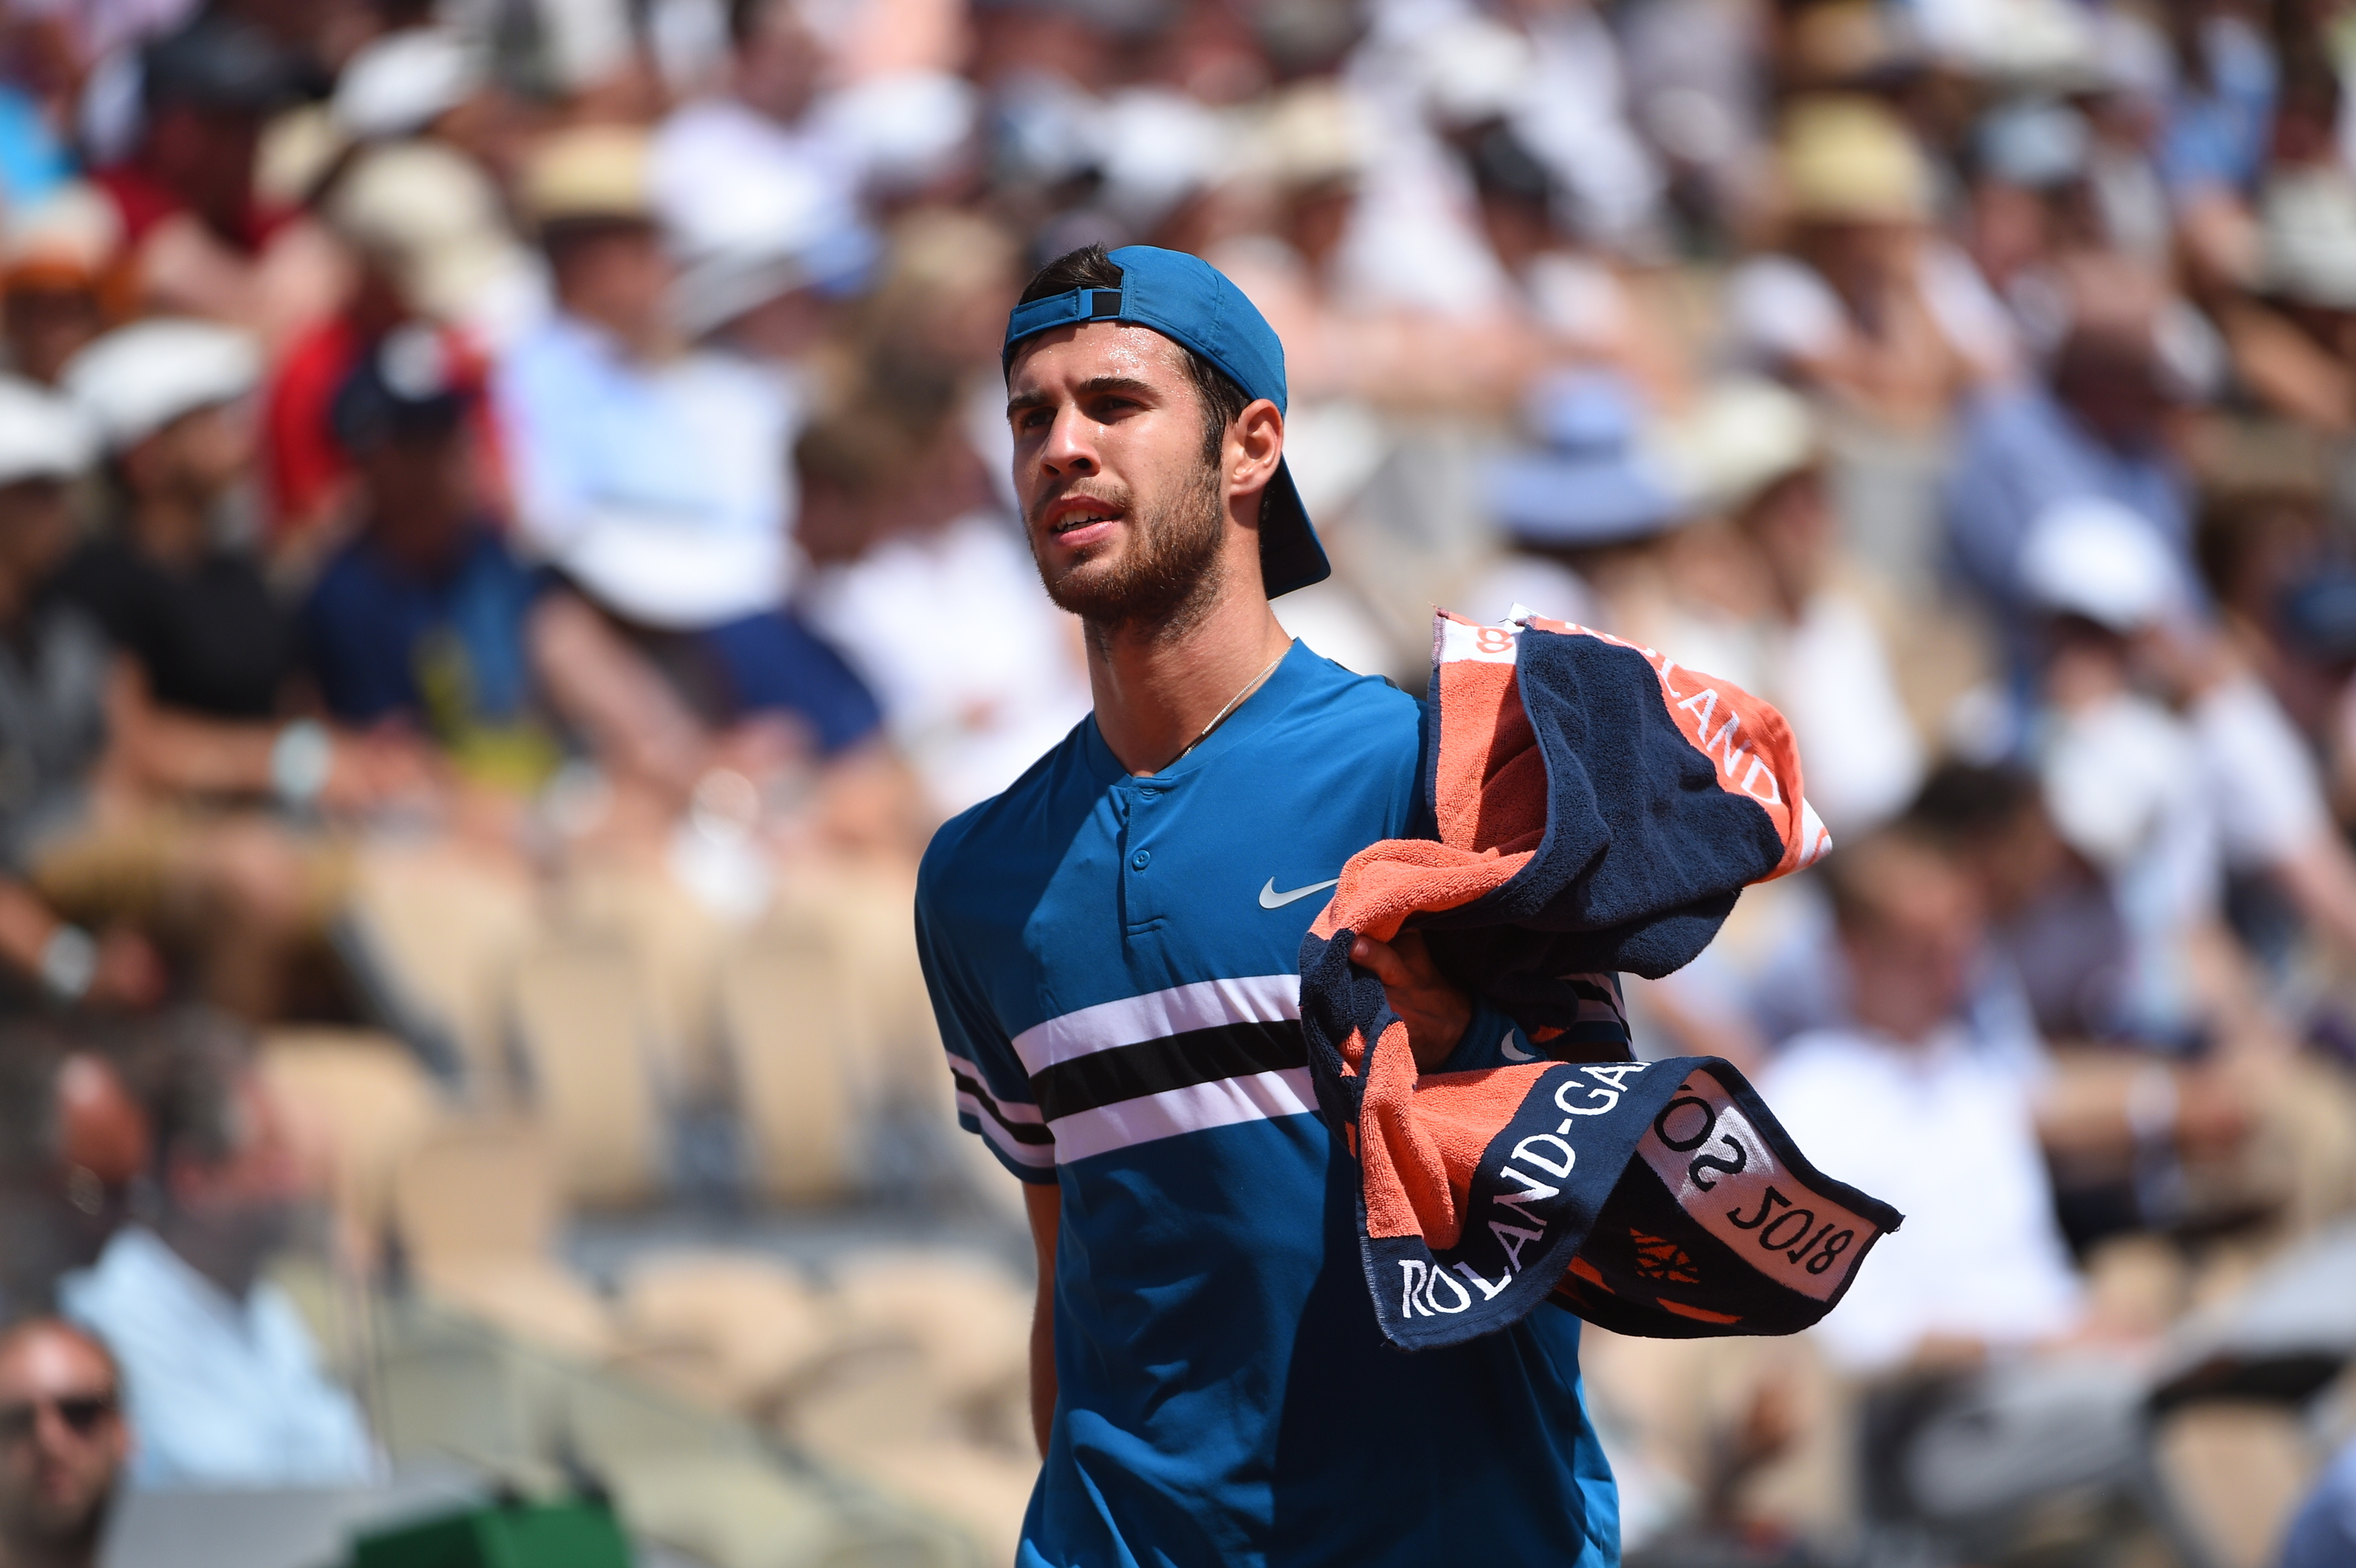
{"x": 1112, "y": 948}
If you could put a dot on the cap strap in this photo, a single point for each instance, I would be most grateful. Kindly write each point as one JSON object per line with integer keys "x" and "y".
{"x": 1072, "y": 306}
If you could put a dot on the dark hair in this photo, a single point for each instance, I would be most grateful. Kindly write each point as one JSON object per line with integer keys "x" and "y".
{"x": 1089, "y": 268}
{"x": 203, "y": 1060}
{"x": 1964, "y": 803}
{"x": 1859, "y": 878}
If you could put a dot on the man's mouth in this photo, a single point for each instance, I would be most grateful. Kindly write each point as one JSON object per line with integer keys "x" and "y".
{"x": 1082, "y": 524}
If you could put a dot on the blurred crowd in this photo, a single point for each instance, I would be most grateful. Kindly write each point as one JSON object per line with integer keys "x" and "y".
{"x": 506, "y": 542}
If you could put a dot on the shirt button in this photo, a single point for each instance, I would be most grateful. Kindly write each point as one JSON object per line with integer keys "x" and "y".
{"x": 1141, "y": 859}
{"x": 1148, "y": 795}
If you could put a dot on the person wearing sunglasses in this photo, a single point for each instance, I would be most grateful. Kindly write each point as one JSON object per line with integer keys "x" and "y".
{"x": 63, "y": 1443}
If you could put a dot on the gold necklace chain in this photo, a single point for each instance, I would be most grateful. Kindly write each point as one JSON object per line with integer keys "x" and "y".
{"x": 1233, "y": 703}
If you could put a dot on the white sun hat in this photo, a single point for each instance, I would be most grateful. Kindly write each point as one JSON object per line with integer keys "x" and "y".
{"x": 42, "y": 436}
{"x": 2093, "y": 557}
{"x": 138, "y": 379}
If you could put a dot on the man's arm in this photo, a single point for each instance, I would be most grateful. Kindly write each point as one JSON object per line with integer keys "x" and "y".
{"x": 1044, "y": 1204}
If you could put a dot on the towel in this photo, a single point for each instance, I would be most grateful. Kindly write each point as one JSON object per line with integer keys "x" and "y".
{"x": 1600, "y": 809}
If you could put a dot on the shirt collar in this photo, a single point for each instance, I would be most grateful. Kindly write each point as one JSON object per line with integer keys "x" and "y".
{"x": 1293, "y": 674}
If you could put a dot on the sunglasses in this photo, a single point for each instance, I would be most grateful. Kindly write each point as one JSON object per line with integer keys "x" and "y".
{"x": 82, "y": 1414}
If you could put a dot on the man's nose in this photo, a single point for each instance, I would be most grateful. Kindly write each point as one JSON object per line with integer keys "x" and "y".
{"x": 1070, "y": 446}
{"x": 49, "y": 1425}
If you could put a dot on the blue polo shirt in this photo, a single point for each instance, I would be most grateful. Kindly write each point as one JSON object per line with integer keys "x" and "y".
{"x": 1114, "y": 963}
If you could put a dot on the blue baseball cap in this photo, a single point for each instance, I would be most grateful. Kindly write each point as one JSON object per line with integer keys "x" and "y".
{"x": 1188, "y": 300}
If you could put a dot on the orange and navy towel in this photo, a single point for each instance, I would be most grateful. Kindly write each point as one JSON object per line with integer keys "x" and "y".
{"x": 1600, "y": 808}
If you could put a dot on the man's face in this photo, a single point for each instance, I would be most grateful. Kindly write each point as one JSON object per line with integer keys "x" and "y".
{"x": 36, "y": 529}
{"x": 250, "y": 1200}
{"x": 778, "y": 64}
{"x": 62, "y": 1440}
{"x": 615, "y": 275}
{"x": 198, "y": 457}
{"x": 1910, "y": 967}
{"x": 423, "y": 487}
{"x": 48, "y": 326}
{"x": 206, "y": 156}
{"x": 1124, "y": 516}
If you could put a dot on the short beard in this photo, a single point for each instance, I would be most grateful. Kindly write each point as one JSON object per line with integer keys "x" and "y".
{"x": 1171, "y": 575}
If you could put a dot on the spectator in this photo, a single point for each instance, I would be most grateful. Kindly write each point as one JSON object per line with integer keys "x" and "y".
{"x": 55, "y": 671}
{"x": 1581, "y": 511}
{"x": 199, "y": 699}
{"x": 785, "y": 151}
{"x": 1870, "y": 305}
{"x": 203, "y": 240}
{"x": 420, "y": 622}
{"x": 62, "y": 279}
{"x": 63, "y": 1443}
{"x": 2097, "y": 426}
{"x": 223, "y": 1380}
{"x": 1980, "y": 1266}
{"x": 429, "y": 242}
{"x": 654, "y": 478}
{"x": 71, "y": 1145}
{"x": 1770, "y": 603}
{"x": 170, "y": 399}
{"x": 991, "y": 678}
{"x": 2164, "y": 758}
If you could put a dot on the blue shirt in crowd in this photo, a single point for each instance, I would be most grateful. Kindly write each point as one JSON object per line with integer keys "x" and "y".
{"x": 385, "y": 641}
{"x": 1114, "y": 963}
{"x": 223, "y": 1392}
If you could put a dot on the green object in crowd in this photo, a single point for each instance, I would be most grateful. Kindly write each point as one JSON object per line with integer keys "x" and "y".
{"x": 503, "y": 1535}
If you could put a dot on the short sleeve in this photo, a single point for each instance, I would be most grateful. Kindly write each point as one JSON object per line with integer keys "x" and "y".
{"x": 1778, "y": 310}
{"x": 994, "y": 1093}
{"x": 2270, "y": 805}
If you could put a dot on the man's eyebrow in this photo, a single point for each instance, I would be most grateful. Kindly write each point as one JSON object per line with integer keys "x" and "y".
{"x": 1092, "y": 386}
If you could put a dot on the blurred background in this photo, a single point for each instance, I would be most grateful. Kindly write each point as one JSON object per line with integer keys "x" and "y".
{"x": 506, "y": 553}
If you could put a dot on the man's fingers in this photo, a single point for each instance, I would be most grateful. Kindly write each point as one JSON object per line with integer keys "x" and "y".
{"x": 1383, "y": 959}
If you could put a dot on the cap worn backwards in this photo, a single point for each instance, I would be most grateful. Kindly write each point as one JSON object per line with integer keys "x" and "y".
{"x": 1188, "y": 300}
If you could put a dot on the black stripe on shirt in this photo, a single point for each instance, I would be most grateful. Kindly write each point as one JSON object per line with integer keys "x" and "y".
{"x": 1022, "y": 1131}
{"x": 1174, "y": 1061}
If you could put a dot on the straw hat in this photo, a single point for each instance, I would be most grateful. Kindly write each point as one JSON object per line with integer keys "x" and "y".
{"x": 588, "y": 173}
{"x": 1849, "y": 159}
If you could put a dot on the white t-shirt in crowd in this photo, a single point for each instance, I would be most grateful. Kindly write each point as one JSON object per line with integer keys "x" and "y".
{"x": 979, "y": 674}
{"x": 1942, "y": 1131}
{"x": 1779, "y": 308}
{"x": 2269, "y": 800}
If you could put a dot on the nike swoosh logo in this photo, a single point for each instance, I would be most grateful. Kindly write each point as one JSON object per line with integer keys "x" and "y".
{"x": 1511, "y": 1052}
{"x": 1270, "y": 898}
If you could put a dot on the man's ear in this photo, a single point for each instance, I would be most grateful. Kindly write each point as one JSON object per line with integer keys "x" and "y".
{"x": 1256, "y": 441}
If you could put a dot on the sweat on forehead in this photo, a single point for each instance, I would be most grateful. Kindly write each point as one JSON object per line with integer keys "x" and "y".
{"x": 1100, "y": 347}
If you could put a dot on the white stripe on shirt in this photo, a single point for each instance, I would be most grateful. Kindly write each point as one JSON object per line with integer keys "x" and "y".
{"x": 1223, "y": 1102}
{"x": 1038, "y": 1156}
{"x": 1158, "y": 1014}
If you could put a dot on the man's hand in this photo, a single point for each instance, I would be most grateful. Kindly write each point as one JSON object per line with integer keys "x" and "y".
{"x": 1436, "y": 1013}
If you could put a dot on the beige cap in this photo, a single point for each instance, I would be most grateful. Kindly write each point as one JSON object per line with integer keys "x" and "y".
{"x": 71, "y": 236}
{"x": 1852, "y": 159}
{"x": 589, "y": 172}
{"x": 431, "y": 215}
{"x": 1310, "y": 134}
{"x": 1741, "y": 435}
